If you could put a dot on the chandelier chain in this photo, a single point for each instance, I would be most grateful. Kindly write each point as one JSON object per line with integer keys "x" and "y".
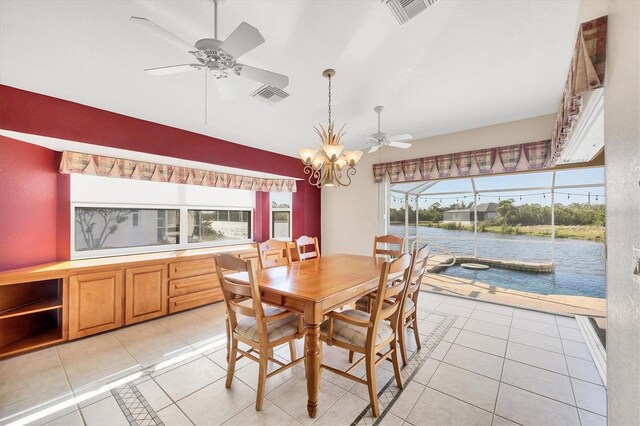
{"x": 329, "y": 101}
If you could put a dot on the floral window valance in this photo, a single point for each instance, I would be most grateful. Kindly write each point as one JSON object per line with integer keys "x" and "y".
{"x": 585, "y": 73}
{"x": 98, "y": 165}
{"x": 512, "y": 158}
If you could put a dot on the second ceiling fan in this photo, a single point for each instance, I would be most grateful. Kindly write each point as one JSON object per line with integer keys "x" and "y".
{"x": 380, "y": 139}
{"x": 218, "y": 57}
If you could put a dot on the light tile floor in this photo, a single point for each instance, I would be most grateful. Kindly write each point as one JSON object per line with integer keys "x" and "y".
{"x": 480, "y": 363}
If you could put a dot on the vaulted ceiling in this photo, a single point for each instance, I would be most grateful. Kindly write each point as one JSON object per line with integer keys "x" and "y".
{"x": 456, "y": 66}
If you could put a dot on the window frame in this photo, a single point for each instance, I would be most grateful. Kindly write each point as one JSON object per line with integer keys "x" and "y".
{"x": 183, "y": 237}
{"x": 281, "y": 209}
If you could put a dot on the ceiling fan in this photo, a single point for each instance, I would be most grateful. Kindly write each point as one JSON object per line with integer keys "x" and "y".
{"x": 216, "y": 56}
{"x": 379, "y": 138}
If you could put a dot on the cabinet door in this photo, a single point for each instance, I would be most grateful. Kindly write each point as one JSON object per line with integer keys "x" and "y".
{"x": 146, "y": 293}
{"x": 95, "y": 303}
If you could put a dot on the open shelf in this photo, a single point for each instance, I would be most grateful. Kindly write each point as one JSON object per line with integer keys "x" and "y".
{"x": 30, "y": 316}
{"x": 33, "y": 307}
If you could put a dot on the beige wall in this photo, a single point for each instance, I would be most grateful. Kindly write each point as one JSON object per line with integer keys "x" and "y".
{"x": 622, "y": 165}
{"x": 350, "y": 215}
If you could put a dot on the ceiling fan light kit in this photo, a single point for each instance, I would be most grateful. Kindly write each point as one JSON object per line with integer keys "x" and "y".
{"x": 380, "y": 139}
{"x": 325, "y": 166}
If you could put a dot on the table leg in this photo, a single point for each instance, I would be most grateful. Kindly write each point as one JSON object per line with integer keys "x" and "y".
{"x": 312, "y": 351}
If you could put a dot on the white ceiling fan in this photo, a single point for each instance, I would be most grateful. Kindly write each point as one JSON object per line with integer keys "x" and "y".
{"x": 218, "y": 57}
{"x": 379, "y": 138}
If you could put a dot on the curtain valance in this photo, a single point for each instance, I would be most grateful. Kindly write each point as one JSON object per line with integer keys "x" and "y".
{"x": 98, "y": 165}
{"x": 585, "y": 73}
{"x": 512, "y": 158}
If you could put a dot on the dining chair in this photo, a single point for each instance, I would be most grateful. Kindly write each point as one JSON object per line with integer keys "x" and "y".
{"x": 397, "y": 242}
{"x": 302, "y": 247}
{"x": 370, "y": 333}
{"x": 273, "y": 253}
{"x": 364, "y": 303}
{"x": 409, "y": 310}
{"x": 254, "y": 325}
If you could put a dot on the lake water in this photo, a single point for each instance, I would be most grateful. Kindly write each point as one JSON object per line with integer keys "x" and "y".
{"x": 579, "y": 270}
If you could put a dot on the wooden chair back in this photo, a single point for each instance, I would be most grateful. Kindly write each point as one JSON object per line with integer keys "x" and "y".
{"x": 397, "y": 242}
{"x": 389, "y": 297}
{"x": 273, "y": 253}
{"x": 418, "y": 269}
{"x": 236, "y": 292}
{"x": 307, "y": 247}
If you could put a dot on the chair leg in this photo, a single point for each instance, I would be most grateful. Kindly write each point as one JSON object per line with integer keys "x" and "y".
{"x": 415, "y": 329}
{"x": 262, "y": 378}
{"x": 226, "y": 321}
{"x": 402, "y": 338}
{"x": 232, "y": 362}
{"x": 292, "y": 350}
{"x": 396, "y": 367}
{"x": 351, "y": 357}
{"x": 371, "y": 383}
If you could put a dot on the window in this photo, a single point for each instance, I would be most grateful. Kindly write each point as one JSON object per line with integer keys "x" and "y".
{"x": 219, "y": 225}
{"x": 281, "y": 203}
{"x": 120, "y": 216}
{"x": 104, "y": 228}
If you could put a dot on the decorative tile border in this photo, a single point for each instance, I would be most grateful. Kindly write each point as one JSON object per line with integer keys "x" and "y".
{"x": 389, "y": 392}
{"x": 135, "y": 407}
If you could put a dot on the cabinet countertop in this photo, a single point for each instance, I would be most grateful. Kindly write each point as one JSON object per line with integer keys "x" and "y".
{"x": 67, "y": 267}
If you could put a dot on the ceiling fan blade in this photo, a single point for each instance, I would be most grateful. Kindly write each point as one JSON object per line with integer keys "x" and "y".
{"x": 173, "y": 69}
{"x": 402, "y": 145}
{"x": 262, "y": 76}
{"x": 162, "y": 33}
{"x": 374, "y": 149}
{"x": 403, "y": 137}
{"x": 243, "y": 39}
{"x": 226, "y": 89}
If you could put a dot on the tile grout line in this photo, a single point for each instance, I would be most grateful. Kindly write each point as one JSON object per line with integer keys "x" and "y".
{"x": 504, "y": 360}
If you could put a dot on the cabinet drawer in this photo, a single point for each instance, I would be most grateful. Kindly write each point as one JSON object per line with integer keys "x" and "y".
{"x": 191, "y": 268}
{"x": 193, "y": 284}
{"x": 188, "y": 301}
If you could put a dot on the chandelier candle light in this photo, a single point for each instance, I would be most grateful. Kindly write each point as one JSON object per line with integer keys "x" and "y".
{"x": 325, "y": 165}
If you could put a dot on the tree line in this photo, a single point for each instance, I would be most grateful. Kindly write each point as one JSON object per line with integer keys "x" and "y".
{"x": 511, "y": 214}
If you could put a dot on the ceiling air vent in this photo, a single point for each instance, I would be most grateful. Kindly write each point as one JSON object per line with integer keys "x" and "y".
{"x": 405, "y": 10}
{"x": 270, "y": 94}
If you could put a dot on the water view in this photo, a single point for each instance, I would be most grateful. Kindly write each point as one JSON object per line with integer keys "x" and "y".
{"x": 579, "y": 271}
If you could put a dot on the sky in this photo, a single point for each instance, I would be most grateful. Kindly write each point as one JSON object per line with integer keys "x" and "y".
{"x": 525, "y": 180}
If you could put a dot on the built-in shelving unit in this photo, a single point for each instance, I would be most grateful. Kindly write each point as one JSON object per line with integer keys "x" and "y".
{"x": 31, "y": 315}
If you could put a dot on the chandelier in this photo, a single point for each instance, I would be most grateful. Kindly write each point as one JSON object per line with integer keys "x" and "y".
{"x": 331, "y": 165}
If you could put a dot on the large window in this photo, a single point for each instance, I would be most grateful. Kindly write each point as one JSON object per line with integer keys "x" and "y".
{"x": 219, "y": 225}
{"x": 281, "y": 215}
{"x": 120, "y": 216}
{"x": 104, "y": 228}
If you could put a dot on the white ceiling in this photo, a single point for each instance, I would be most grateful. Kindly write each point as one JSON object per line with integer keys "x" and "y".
{"x": 458, "y": 65}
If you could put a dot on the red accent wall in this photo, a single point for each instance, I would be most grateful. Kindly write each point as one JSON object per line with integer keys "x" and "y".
{"x": 29, "y": 112}
{"x": 28, "y": 204}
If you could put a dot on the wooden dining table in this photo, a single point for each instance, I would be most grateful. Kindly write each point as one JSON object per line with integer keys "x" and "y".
{"x": 313, "y": 288}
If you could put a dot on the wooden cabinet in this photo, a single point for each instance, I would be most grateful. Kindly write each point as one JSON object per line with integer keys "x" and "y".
{"x": 193, "y": 283}
{"x": 95, "y": 303}
{"x": 146, "y": 291}
{"x": 43, "y": 305}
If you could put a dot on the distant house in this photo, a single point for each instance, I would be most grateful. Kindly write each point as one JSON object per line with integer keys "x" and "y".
{"x": 486, "y": 211}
